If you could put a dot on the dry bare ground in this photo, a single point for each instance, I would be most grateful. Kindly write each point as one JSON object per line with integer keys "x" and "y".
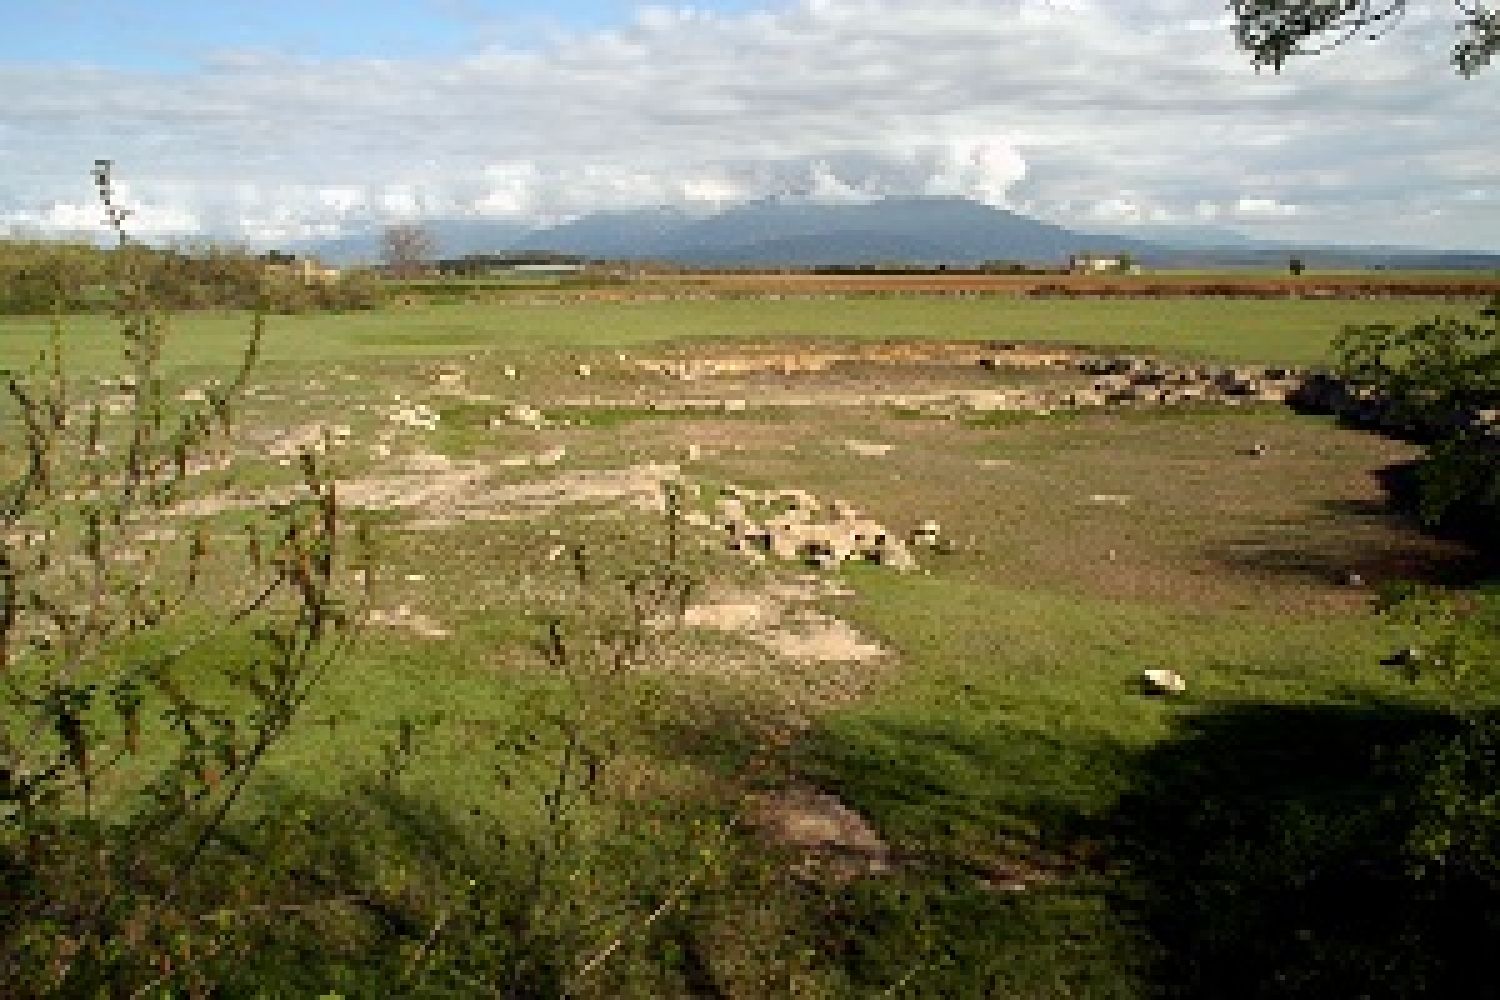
{"x": 1112, "y": 504}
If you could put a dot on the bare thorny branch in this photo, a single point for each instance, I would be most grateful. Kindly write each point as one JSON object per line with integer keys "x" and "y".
{"x": 83, "y": 496}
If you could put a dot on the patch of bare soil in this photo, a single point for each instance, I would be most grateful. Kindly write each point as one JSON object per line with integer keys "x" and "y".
{"x": 1018, "y": 866}
{"x": 833, "y": 842}
{"x": 773, "y": 621}
{"x": 315, "y": 438}
{"x": 784, "y": 360}
{"x": 810, "y": 635}
{"x": 445, "y": 491}
{"x": 795, "y": 661}
{"x": 403, "y": 618}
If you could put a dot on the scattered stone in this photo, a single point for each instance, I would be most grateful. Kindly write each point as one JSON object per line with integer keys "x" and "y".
{"x": 413, "y": 621}
{"x": 893, "y": 554}
{"x": 551, "y": 456}
{"x": 584, "y": 371}
{"x": 526, "y": 416}
{"x": 1408, "y": 660}
{"x": 418, "y": 416}
{"x": 1163, "y": 682}
{"x": 1353, "y": 580}
{"x": 510, "y": 372}
{"x": 868, "y": 449}
{"x": 926, "y": 534}
{"x": 844, "y": 511}
{"x": 824, "y": 561}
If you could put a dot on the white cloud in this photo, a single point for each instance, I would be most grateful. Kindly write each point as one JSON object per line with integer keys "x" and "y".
{"x": 1081, "y": 110}
{"x": 826, "y": 187}
{"x": 78, "y": 218}
{"x": 1263, "y": 208}
{"x": 983, "y": 169}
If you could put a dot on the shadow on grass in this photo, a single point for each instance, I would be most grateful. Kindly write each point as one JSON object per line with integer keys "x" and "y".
{"x": 401, "y": 859}
{"x": 1467, "y": 521}
{"x": 1262, "y": 851}
{"x": 1460, "y": 551}
{"x": 445, "y": 901}
{"x": 1266, "y": 848}
{"x": 1279, "y": 552}
{"x": 968, "y": 804}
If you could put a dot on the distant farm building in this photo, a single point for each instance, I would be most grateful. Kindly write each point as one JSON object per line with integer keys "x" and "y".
{"x": 548, "y": 268}
{"x": 303, "y": 269}
{"x": 1103, "y": 263}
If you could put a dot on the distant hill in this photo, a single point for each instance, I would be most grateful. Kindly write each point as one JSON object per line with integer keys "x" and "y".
{"x": 612, "y": 235}
{"x": 794, "y": 231}
{"x": 1183, "y": 235}
{"x": 451, "y": 237}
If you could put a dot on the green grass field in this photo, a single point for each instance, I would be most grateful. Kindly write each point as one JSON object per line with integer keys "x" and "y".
{"x": 1284, "y": 331}
{"x": 1053, "y": 832}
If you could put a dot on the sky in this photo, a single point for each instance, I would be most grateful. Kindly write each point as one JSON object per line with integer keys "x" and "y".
{"x": 267, "y": 122}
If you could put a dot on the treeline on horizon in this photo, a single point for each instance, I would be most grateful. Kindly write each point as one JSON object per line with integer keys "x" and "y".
{"x": 38, "y": 277}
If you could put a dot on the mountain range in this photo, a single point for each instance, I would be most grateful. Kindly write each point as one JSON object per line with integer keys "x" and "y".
{"x": 786, "y": 231}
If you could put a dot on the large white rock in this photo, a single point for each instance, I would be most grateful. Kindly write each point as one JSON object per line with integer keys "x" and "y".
{"x": 1163, "y": 682}
{"x": 867, "y": 449}
{"x": 528, "y": 416}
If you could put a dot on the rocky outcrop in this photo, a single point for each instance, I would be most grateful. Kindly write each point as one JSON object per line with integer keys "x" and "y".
{"x": 793, "y": 525}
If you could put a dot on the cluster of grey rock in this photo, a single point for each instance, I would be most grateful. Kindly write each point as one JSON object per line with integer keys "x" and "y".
{"x": 794, "y": 525}
{"x": 1144, "y": 381}
{"x": 1130, "y": 382}
{"x": 1136, "y": 381}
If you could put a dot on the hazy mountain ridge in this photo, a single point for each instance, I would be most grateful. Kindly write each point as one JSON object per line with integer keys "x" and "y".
{"x": 789, "y": 231}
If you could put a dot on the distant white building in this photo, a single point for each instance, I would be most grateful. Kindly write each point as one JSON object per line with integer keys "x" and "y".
{"x": 1102, "y": 263}
{"x": 304, "y": 269}
{"x": 559, "y": 268}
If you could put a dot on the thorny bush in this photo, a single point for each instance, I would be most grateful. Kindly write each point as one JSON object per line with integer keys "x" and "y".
{"x": 117, "y": 771}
